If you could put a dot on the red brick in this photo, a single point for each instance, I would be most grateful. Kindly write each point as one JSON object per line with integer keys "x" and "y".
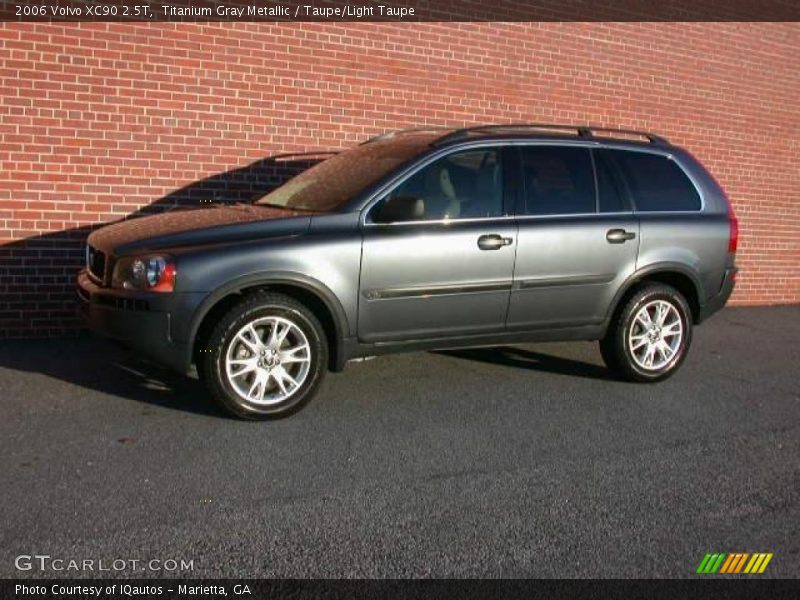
{"x": 100, "y": 120}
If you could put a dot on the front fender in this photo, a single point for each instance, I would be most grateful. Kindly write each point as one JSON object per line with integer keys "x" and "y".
{"x": 274, "y": 278}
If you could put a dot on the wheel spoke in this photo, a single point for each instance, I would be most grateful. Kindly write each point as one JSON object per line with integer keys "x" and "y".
{"x": 650, "y": 355}
{"x": 260, "y": 385}
{"x": 242, "y": 361}
{"x": 667, "y": 311}
{"x": 637, "y": 341}
{"x": 251, "y": 329}
{"x": 283, "y": 335}
{"x": 284, "y": 374}
{"x": 273, "y": 334}
{"x": 671, "y": 329}
{"x": 253, "y": 345}
{"x": 280, "y": 377}
{"x": 658, "y": 318}
{"x": 291, "y": 355}
{"x": 248, "y": 366}
{"x": 278, "y": 334}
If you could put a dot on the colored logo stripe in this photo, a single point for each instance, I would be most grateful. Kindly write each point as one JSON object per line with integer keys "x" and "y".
{"x": 727, "y": 564}
{"x": 758, "y": 563}
{"x": 734, "y": 563}
{"x": 711, "y": 563}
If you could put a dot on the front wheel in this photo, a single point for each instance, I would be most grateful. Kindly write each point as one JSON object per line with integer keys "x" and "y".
{"x": 265, "y": 358}
{"x": 650, "y": 337}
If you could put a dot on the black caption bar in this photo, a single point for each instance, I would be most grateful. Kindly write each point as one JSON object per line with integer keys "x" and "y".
{"x": 174, "y": 589}
{"x": 399, "y": 10}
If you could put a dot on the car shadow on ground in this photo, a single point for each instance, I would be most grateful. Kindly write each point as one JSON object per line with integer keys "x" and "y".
{"x": 105, "y": 367}
{"x": 110, "y": 369}
{"x": 521, "y": 358}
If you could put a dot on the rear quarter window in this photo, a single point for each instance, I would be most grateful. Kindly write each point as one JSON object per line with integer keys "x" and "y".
{"x": 656, "y": 182}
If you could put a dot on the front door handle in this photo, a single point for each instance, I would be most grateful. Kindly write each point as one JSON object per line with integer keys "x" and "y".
{"x": 619, "y": 236}
{"x": 493, "y": 241}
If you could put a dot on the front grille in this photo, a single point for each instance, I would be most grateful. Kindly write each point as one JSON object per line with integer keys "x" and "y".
{"x": 122, "y": 303}
{"x": 96, "y": 263}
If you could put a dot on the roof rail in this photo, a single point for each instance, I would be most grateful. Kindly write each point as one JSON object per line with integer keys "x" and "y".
{"x": 390, "y": 134}
{"x": 582, "y": 131}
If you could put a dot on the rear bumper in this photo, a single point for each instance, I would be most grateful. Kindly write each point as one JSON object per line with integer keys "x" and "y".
{"x": 716, "y": 302}
{"x": 142, "y": 322}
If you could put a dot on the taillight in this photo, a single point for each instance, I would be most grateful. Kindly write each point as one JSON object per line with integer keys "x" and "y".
{"x": 733, "y": 236}
{"x": 733, "y": 225}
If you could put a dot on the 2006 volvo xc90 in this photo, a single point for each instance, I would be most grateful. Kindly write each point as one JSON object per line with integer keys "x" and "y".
{"x": 425, "y": 239}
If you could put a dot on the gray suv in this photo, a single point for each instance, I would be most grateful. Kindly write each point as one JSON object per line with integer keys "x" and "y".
{"x": 425, "y": 239}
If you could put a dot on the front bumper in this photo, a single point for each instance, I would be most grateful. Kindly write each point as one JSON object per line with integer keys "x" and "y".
{"x": 716, "y": 302}
{"x": 141, "y": 321}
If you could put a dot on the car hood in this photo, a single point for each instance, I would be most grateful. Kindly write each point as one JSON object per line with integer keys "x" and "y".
{"x": 193, "y": 226}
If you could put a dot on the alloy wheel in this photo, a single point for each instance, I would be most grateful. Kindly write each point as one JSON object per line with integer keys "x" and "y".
{"x": 655, "y": 335}
{"x": 268, "y": 360}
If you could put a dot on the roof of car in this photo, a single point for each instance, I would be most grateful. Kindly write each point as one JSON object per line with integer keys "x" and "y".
{"x": 443, "y": 136}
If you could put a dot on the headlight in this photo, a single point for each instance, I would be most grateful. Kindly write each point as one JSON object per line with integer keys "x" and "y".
{"x": 148, "y": 273}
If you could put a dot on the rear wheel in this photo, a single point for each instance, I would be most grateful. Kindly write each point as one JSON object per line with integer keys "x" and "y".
{"x": 266, "y": 357}
{"x": 649, "y": 338}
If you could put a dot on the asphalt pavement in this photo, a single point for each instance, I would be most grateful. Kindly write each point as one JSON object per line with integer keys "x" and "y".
{"x": 528, "y": 461}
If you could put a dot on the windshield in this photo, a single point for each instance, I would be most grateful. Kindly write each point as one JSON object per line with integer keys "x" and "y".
{"x": 337, "y": 180}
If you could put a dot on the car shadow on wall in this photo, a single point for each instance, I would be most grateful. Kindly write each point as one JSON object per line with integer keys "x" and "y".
{"x": 37, "y": 274}
{"x": 37, "y": 290}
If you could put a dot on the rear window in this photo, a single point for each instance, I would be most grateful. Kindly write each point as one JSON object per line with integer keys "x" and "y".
{"x": 656, "y": 182}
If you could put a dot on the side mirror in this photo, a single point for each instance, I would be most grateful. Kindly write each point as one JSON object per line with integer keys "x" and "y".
{"x": 400, "y": 208}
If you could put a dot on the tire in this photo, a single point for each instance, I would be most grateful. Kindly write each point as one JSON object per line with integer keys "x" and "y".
{"x": 640, "y": 353}
{"x": 249, "y": 373}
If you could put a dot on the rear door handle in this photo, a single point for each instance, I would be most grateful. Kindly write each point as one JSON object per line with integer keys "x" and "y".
{"x": 619, "y": 236}
{"x": 493, "y": 241}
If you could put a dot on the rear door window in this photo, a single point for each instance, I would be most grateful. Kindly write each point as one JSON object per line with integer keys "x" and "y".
{"x": 656, "y": 182}
{"x": 558, "y": 180}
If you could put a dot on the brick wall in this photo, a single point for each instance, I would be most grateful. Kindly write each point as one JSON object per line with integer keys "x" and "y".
{"x": 99, "y": 121}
